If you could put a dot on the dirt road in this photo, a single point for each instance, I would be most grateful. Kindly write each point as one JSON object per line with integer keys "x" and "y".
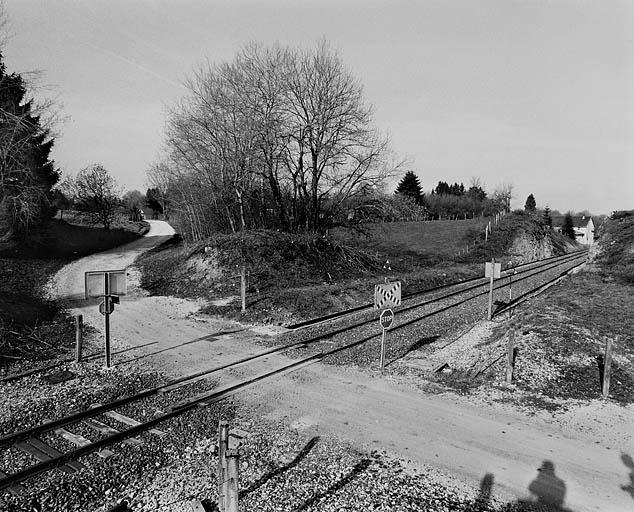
{"x": 465, "y": 438}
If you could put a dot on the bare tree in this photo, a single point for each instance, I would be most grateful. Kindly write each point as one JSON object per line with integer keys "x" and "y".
{"x": 97, "y": 193}
{"x": 502, "y": 196}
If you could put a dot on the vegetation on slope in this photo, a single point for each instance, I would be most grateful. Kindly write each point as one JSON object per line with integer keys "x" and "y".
{"x": 616, "y": 253}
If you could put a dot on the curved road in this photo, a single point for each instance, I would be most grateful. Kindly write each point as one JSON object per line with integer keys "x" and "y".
{"x": 453, "y": 434}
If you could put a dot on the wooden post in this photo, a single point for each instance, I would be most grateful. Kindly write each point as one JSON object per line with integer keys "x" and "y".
{"x": 243, "y": 287}
{"x": 607, "y": 360}
{"x": 490, "y": 311}
{"x": 223, "y": 446}
{"x": 232, "y": 485}
{"x": 79, "y": 321}
{"x": 486, "y": 233}
{"x": 509, "y": 356}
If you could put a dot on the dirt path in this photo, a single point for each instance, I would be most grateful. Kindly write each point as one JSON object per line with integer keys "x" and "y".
{"x": 466, "y": 439}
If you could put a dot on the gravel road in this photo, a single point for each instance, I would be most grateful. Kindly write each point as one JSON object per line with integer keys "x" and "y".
{"x": 457, "y": 435}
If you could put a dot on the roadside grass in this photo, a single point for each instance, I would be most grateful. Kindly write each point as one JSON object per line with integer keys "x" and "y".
{"x": 32, "y": 327}
{"x": 561, "y": 340}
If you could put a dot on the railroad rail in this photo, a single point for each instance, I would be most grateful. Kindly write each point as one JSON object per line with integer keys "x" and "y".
{"x": 28, "y": 441}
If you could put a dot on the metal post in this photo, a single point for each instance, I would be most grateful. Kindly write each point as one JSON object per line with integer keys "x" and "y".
{"x": 106, "y": 317}
{"x": 223, "y": 446}
{"x": 490, "y": 312}
{"x": 383, "y": 351}
{"x": 79, "y": 321}
{"x": 243, "y": 287}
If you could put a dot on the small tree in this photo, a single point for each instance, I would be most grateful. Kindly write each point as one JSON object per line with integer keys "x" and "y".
{"x": 530, "y": 205}
{"x": 568, "y": 228}
{"x": 547, "y": 220}
{"x": 410, "y": 187}
{"x": 97, "y": 194}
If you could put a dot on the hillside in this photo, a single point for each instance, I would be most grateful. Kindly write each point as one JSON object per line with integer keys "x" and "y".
{"x": 293, "y": 277}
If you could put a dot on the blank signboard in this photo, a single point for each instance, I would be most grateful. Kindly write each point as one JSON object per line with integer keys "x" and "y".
{"x": 95, "y": 283}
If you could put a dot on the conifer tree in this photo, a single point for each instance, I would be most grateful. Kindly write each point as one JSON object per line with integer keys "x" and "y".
{"x": 530, "y": 205}
{"x": 568, "y": 228}
{"x": 547, "y": 220}
{"x": 26, "y": 173}
{"x": 409, "y": 186}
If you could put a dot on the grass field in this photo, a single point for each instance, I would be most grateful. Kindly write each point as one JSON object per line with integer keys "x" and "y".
{"x": 440, "y": 238}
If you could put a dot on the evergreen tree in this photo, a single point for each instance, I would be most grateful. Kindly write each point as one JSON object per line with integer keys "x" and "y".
{"x": 26, "y": 173}
{"x": 568, "y": 227}
{"x": 547, "y": 220}
{"x": 410, "y": 187}
{"x": 530, "y": 205}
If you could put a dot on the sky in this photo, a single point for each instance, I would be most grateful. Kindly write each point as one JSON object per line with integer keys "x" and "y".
{"x": 535, "y": 93}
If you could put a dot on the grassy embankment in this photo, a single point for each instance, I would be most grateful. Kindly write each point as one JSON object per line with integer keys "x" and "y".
{"x": 294, "y": 277}
{"x": 561, "y": 335}
{"x": 31, "y": 327}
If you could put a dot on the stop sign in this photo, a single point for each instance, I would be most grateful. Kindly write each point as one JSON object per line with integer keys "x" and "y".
{"x": 386, "y": 318}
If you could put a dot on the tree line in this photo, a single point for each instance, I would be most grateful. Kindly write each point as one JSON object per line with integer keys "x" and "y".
{"x": 449, "y": 201}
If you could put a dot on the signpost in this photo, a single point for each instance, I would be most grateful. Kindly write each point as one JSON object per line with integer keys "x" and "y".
{"x": 386, "y": 319}
{"x": 109, "y": 285}
{"x": 492, "y": 270}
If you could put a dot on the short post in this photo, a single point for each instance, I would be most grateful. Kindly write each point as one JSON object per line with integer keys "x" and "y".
{"x": 490, "y": 311}
{"x": 223, "y": 446}
{"x": 607, "y": 364}
{"x": 79, "y": 321}
{"x": 232, "y": 486}
{"x": 510, "y": 350}
{"x": 385, "y": 320}
{"x": 486, "y": 233}
{"x": 243, "y": 287}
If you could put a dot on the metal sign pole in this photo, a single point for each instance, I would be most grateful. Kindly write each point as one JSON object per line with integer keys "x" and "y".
{"x": 490, "y": 312}
{"x": 106, "y": 321}
{"x": 383, "y": 351}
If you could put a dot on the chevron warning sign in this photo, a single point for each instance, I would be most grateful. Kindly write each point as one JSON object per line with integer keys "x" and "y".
{"x": 387, "y": 295}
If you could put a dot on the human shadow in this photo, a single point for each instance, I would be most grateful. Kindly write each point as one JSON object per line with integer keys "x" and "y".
{"x": 281, "y": 469}
{"x": 358, "y": 468}
{"x": 486, "y": 488}
{"x": 547, "y": 489}
{"x": 627, "y": 460}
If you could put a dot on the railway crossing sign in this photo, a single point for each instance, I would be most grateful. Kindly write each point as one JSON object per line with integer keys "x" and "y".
{"x": 387, "y": 295}
{"x": 492, "y": 268}
{"x": 386, "y": 319}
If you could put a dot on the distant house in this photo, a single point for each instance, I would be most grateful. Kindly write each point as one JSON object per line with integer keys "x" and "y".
{"x": 583, "y": 225}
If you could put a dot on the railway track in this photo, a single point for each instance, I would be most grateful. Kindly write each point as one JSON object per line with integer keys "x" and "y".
{"x": 436, "y": 301}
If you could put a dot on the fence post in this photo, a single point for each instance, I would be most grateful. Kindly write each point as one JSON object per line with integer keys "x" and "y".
{"x": 243, "y": 287}
{"x": 232, "y": 486}
{"x": 223, "y": 446}
{"x": 490, "y": 309}
{"x": 510, "y": 349}
{"x": 79, "y": 341}
{"x": 607, "y": 364}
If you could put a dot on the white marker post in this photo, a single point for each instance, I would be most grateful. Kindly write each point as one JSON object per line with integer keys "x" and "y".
{"x": 492, "y": 270}
{"x": 386, "y": 319}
